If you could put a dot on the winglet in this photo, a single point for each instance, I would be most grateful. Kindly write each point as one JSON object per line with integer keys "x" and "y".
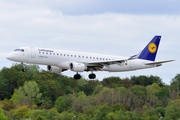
{"x": 150, "y": 51}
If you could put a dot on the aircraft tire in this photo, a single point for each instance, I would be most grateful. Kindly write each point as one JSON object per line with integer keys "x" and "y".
{"x": 23, "y": 70}
{"x": 77, "y": 76}
{"x": 92, "y": 76}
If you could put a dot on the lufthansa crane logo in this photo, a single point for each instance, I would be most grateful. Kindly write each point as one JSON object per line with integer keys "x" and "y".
{"x": 152, "y": 48}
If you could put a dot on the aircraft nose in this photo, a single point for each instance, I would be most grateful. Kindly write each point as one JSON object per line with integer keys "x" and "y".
{"x": 9, "y": 56}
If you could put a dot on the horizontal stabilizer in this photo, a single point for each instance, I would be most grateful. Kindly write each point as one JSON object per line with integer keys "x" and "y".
{"x": 153, "y": 63}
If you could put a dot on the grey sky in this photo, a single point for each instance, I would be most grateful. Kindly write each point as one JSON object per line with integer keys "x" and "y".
{"x": 121, "y": 27}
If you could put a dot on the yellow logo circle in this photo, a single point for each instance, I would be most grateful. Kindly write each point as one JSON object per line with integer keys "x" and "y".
{"x": 152, "y": 48}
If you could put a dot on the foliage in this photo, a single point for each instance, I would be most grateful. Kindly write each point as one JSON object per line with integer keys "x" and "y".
{"x": 63, "y": 103}
{"x": 101, "y": 112}
{"x": 20, "y": 111}
{"x": 36, "y": 94}
{"x": 27, "y": 94}
{"x": 145, "y": 80}
{"x": 2, "y": 116}
{"x": 176, "y": 79}
{"x": 173, "y": 110}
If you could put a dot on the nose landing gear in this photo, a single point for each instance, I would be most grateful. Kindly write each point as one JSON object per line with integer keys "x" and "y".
{"x": 24, "y": 67}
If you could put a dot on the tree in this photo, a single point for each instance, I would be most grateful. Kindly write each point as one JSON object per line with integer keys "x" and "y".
{"x": 42, "y": 114}
{"x": 63, "y": 103}
{"x": 176, "y": 83}
{"x": 101, "y": 112}
{"x": 173, "y": 110}
{"x": 139, "y": 95}
{"x": 66, "y": 116}
{"x": 145, "y": 80}
{"x": 10, "y": 79}
{"x": 176, "y": 79}
{"x": 28, "y": 94}
{"x": 85, "y": 86}
{"x": 112, "y": 82}
{"x": 151, "y": 94}
{"x": 20, "y": 111}
{"x": 79, "y": 101}
{"x": 163, "y": 95}
{"x": 2, "y": 116}
{"x": 127, "y": 83}
{"x": 118, "y": 107}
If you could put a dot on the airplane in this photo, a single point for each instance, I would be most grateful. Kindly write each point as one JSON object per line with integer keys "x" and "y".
{"x": 58, "y": 61}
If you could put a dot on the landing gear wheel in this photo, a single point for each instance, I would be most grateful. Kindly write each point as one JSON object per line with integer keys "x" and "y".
{"x": 24, "y": 70}
{"x": 77, "y": 76}
{"x": 92, "y": 76}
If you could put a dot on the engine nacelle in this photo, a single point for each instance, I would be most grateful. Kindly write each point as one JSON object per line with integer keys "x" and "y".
{"x": 77, "y": 67}
{"x": 54, "y": 69}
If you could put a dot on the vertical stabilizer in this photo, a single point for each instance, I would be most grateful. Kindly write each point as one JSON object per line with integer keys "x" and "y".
{"x": 150, "y": 51}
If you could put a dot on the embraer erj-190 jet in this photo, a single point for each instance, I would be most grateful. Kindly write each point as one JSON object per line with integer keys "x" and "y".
{"x": 58, "y": 61}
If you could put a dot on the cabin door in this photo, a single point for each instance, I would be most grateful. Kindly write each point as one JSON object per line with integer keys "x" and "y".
{"x": 33, "y": 52}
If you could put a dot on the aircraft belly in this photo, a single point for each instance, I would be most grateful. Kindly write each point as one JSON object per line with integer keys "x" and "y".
{"x": 116, "y": 68}
{"x": 132, "y": 65}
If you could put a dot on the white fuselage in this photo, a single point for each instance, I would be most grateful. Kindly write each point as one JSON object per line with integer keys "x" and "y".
{"x": 62, "y": 58}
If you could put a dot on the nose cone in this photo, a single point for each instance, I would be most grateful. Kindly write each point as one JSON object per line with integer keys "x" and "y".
{"x": 9, "y": 56}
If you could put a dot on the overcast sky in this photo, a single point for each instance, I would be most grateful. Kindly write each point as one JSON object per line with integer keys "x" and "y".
{"x": 118, "y": 27}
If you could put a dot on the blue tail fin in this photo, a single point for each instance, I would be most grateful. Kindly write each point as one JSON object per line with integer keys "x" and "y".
{"x": 150, "y": 51}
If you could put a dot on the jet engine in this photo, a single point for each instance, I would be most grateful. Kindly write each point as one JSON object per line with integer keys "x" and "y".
{"x": 54, "y": 69}
{"x": 77, "y": 67}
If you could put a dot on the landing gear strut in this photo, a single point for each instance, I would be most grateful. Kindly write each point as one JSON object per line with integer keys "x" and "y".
{"x": 24, "y": 69}
{"x": 92, "y": 76}
{"x": 77, "y": 76}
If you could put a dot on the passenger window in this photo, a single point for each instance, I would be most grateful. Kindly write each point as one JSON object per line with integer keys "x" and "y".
{"x": 71, "y": 55}
{"x": 74, "y": 55}
{"x": 57, "y": 54}
{"x": 64, "y": 54}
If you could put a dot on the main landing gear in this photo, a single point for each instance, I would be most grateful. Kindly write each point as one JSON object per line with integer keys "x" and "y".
{"x": 92, "y": 76}
{"x": 78, "y": 76}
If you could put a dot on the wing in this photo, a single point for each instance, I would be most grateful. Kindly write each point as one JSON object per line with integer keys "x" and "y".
{"x": 106, "y": 63}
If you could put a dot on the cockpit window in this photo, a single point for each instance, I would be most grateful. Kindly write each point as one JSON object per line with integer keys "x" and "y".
{"x": 17, "y": 50}
{"x": 21, "y": 50}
